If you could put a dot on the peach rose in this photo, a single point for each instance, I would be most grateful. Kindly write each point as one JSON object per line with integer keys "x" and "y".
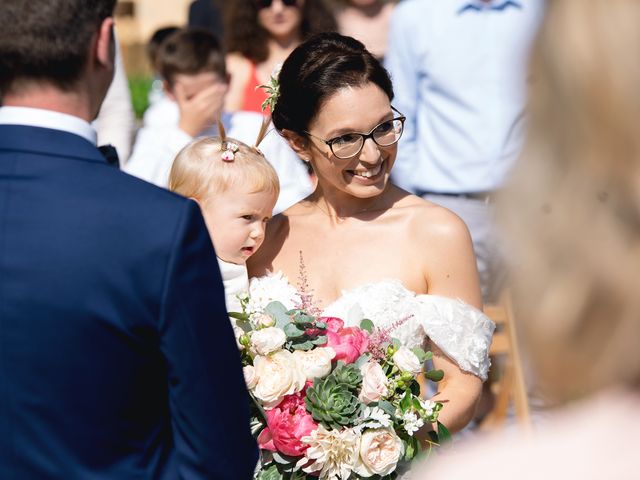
{"x": 267, "y": 340}
{"x": 380, "y": 452}
{"x": 278, "y": 375}
{"x": 315, "y": 363}
{"x": 374, "y": 383}
{"x": 250, "y": 377}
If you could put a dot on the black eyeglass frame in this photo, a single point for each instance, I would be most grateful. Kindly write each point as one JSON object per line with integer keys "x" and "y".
{"x": 364, "y": 136}
{"x": 260, "y": 4}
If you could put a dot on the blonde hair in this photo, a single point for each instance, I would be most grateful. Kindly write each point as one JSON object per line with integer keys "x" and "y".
{"x": 572, "y": 210}
{"x": 199, "y": 171}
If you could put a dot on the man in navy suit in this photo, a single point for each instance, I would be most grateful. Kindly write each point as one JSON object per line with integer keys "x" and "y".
{"x": 117, "y": 360}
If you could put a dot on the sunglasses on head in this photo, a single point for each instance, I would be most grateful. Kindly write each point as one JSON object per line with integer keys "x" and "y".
{"x": 267, "y": 3}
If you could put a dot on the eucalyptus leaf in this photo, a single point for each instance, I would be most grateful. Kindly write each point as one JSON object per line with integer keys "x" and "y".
{"x": 387, "y": 408}
{"x": 319, "y": 340}
{"x": 367, "y": 325}
{"x": 292, "y": 331}
{"x": 283, "y": 459}
{"x": 278, "y": 312}
{"x": 304, "y": 319}
{"x": 321, "y": 325}
{"x": 362, "y": 359}
{"x": 306, "y": 345}
{"x": 434, "y": 375}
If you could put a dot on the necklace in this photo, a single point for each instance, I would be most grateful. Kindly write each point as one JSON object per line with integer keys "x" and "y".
{"x": 343, "y": 218}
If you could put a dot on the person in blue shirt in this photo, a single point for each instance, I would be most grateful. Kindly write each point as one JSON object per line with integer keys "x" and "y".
{"x": 458, "y": 67}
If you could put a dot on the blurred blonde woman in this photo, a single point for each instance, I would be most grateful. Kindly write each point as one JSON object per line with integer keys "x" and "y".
{"x": 572, "y": 216}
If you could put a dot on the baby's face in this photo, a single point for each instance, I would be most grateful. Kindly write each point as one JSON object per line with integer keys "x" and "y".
{"x": 236, "y": 220}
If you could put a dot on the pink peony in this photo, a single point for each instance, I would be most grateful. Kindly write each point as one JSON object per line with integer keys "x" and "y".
{"x": 286, "y": 425}
{"x": 348, "y": 343}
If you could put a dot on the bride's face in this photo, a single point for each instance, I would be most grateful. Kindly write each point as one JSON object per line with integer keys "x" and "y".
{"x": 352, "y": 110}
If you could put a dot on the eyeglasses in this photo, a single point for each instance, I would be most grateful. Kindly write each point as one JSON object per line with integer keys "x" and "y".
{"x": 349, "y": 145}
{"x": 267, "y": 3}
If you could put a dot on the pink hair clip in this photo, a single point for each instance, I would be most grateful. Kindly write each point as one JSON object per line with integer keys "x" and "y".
{"x": 229, "y": 150}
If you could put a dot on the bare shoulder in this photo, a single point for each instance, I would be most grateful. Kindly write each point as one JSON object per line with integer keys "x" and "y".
{"x": 236, "y": 62}
{"x": 428, "y": 221}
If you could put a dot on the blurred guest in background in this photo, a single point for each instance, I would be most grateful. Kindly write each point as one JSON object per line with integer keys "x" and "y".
{"x": 366, "y": 20}
{"x": 260, "y": 35}
{"x": 207, "y": 14}
{"x": 156, "y": 93}
{"x": 572, "y": 219}
{"x": 192, "y": 65}
{"x": 458, "y": 68}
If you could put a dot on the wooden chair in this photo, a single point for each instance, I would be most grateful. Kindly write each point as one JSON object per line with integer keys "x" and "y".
{"x": 506, "y": 375}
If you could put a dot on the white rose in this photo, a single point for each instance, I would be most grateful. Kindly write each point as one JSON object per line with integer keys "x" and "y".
{"x": 374, "y": 383}
{"x": 315, "y": 363}
{"x": 380, "y": 452}
{"x": 407, "y": 361}
{"x": 267, "y": 340}
{"x": 278, "y": 375}
{"x": 250, "y": 376}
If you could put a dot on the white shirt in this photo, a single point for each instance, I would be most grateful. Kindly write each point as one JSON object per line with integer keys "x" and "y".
{"x": 236, "y": 280}
{"x": 38, "y": 117}
{"x": 158, "y": 143}
{"x": 459, "y": 73}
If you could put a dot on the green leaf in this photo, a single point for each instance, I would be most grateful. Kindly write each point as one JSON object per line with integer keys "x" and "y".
{"x": 396, "y": 343}
{"x": 428, "y": 356}
{"x": 405, "y": 403}
{"x": 270, "y": 473}
{"x": 306, "y": 345}
{"x": 443, "y": 434}
{"x": 387, "y": 408}
{"x": 303, "y": 319}
{"x": 367, "y": 325}
{"x": 240, "y": 316}
{"x": 434, "y": 375}
{"x": 292, "y": 331}
{"x": 278, "y": 312}
{"x": 362, "y": 359}
{"x": 321, "y": 325}
{"x": 319, "y": 340}
{"x": 412, "y": 448}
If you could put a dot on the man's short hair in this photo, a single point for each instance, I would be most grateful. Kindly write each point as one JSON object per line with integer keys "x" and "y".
{"x": 159, "y": 36}
{"x": 47, "y": 40}
{"x": 188, "y": 52}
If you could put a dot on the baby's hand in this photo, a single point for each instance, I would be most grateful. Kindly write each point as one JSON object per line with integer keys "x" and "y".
{"x": 201, "y": 110}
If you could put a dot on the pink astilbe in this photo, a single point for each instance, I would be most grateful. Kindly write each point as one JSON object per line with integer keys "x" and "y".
{"x": 381, "y": 336}
{"x": 306, "y": 296}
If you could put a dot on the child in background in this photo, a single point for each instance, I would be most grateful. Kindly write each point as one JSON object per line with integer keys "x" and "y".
{"x": 236, "y": 189}
{"x": 192, "y": 66}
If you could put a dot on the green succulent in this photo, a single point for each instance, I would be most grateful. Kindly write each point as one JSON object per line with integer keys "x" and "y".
{"x": 332, "y": 403}
{"x": 348, "y": 375}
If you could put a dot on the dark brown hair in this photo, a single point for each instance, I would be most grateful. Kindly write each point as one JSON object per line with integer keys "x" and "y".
{"x": 319, "y": 68}
{"x": 47, "y": 40}
{"x": 159, "y": 36}
{"x": 190, "y": 51}
{"x": 245, "y": 35}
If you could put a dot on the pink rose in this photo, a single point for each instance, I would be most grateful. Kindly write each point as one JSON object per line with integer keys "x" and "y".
{"x": 286, "y": 425}
{"x": 348, "y": 343}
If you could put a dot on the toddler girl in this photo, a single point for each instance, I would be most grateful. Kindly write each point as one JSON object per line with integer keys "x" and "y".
{"x": 236, "y": 189}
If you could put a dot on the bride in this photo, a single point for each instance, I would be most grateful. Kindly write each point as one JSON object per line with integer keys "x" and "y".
{"x": 370, "y": 249}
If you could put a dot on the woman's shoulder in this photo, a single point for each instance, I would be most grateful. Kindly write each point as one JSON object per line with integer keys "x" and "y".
{"x": 426, "y": 219}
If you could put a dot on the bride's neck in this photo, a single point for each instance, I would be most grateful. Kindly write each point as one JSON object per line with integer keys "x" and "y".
{"x": 345, "y": 206}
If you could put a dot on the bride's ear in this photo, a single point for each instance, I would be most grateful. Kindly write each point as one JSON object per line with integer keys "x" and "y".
{"x": 298, "y": 143}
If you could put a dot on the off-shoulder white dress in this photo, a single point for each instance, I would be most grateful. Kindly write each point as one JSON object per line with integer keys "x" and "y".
{"x": 461, "y": 331}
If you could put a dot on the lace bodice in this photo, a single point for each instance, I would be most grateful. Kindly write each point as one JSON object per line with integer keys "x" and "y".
{"x": 461, "y": 331}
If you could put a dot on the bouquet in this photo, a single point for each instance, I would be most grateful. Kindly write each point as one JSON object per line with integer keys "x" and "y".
{"x": 329, "y": 401}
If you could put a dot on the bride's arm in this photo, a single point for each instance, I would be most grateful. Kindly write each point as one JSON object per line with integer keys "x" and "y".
{"x": 450, "y": 271}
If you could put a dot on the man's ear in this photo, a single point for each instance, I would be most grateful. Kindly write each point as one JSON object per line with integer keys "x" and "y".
{"x": 106, "y": 44}
{"x": 298, "y": 143}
